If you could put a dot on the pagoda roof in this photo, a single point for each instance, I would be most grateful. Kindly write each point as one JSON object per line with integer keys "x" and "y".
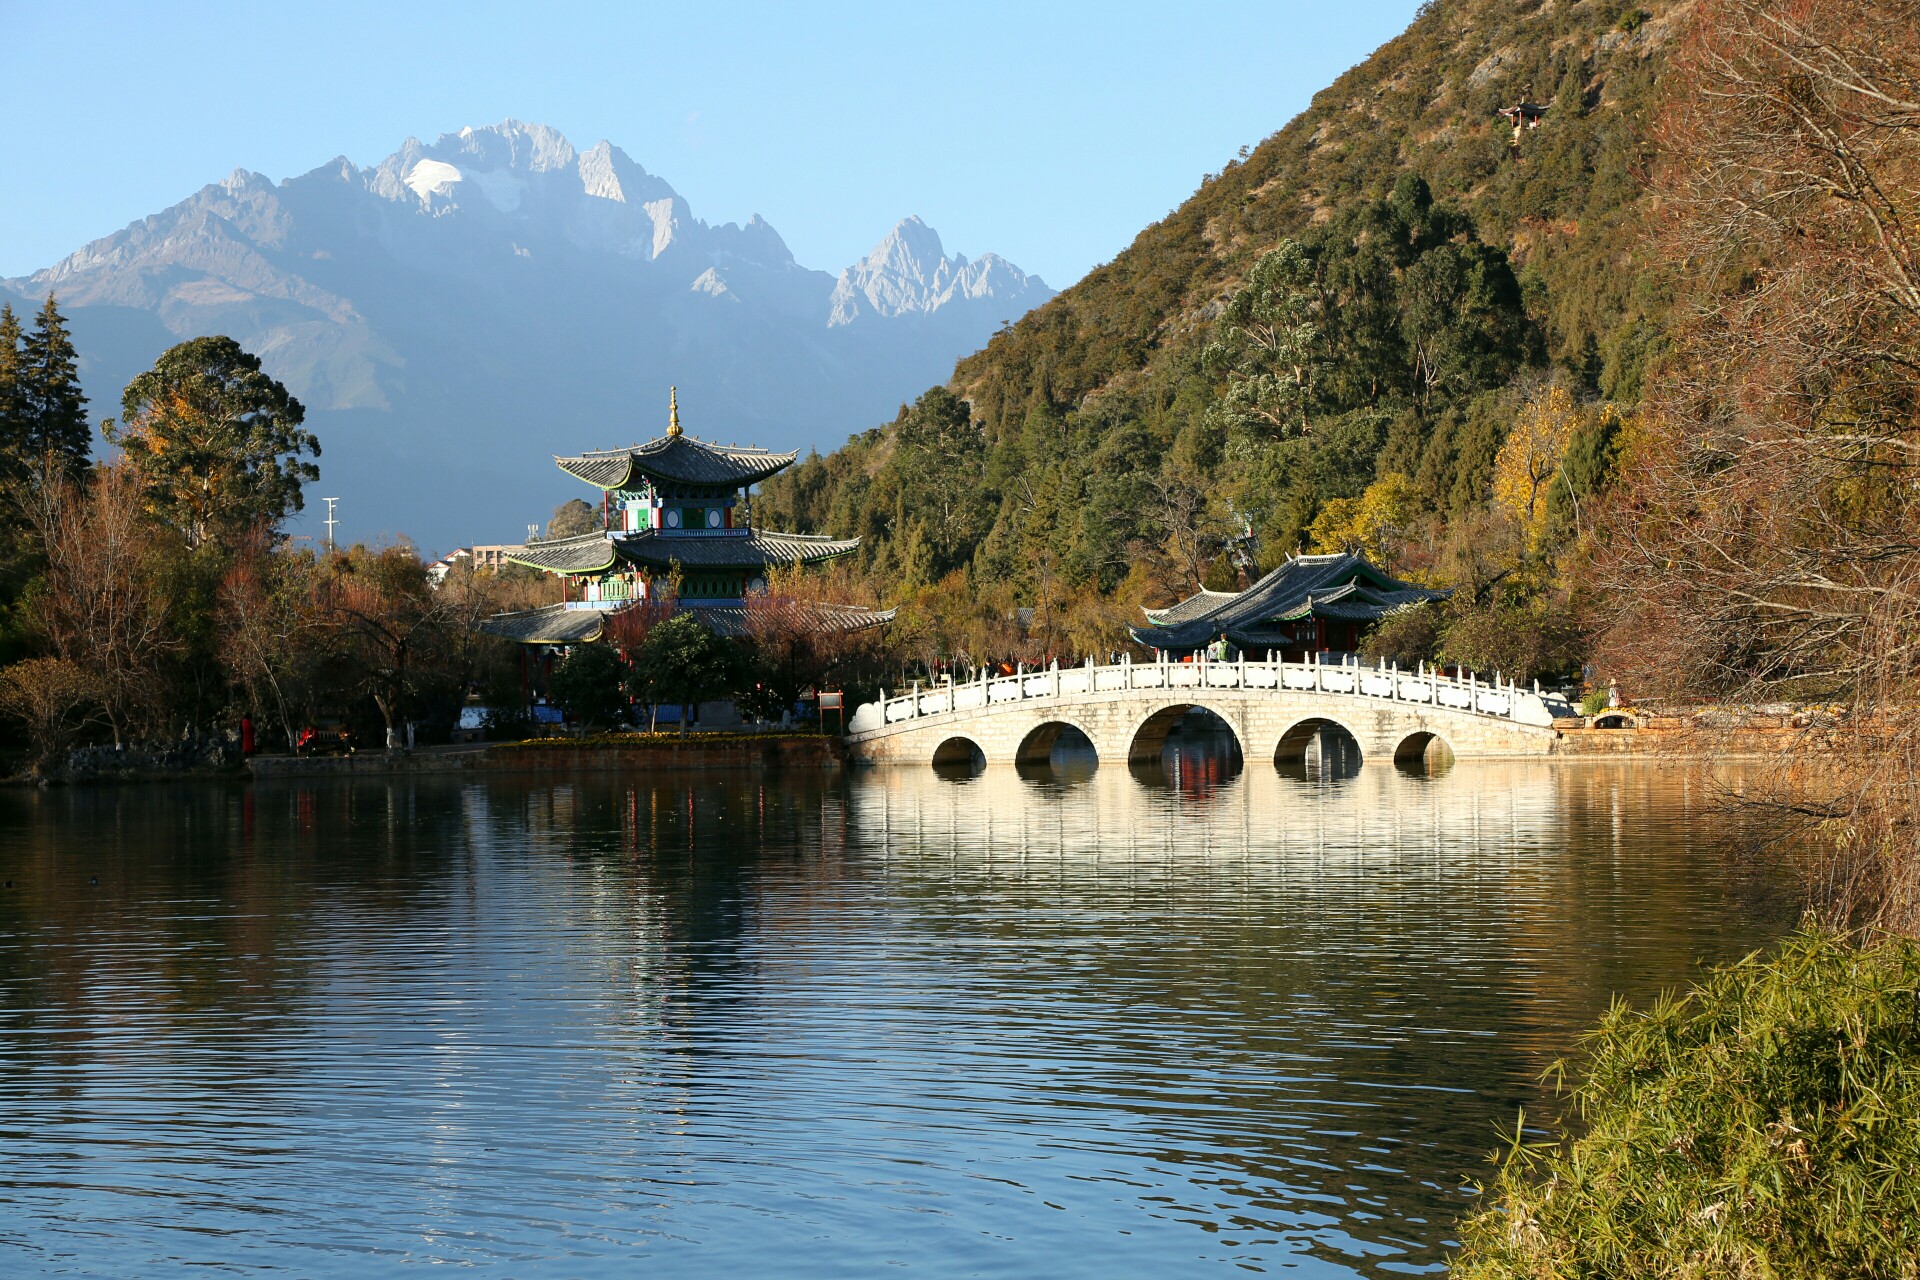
{"x": 756, "y": 549}
{"x": 1341, "y": 586}
{"x": 564, "y": 624}
{"x": 658, "y": 548}
{"x": 676, "y": 459}
{"x": 554, "y": 624}
{"x": 1197, "y": 605}
{"x": 582, "y": 553}
{"x": 734, "y": 621}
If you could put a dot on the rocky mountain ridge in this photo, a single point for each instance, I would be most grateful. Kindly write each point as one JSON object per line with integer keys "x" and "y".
{"x": 482, "y": 301}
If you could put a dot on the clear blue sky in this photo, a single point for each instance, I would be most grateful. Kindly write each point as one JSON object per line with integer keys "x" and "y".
{"x": 1047, "y": 132}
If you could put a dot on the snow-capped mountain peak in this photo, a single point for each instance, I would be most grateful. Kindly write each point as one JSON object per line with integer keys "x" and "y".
{"x": 460, "y": 302}
{"x": 908, "y": 272}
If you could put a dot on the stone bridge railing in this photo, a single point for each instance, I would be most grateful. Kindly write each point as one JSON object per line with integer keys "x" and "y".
{"x": 1425, "y": 687}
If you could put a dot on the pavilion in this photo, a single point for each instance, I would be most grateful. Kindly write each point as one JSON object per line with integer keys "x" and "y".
{"x": 1309, "y": 605}
{"x": 675, "y": 505}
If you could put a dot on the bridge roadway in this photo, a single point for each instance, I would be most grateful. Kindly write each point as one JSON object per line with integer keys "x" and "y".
{"x": 1274, "y": 708}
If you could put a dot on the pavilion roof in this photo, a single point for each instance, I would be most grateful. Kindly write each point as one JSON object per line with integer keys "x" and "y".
{"x": 583, "y": 553}
{"x": 736, "y": 620}
{"x": 554, "y": 624}
{"x": 676, "y": 459}
{"x": 658, "y": 548}
{"x": 1341, "y": 586}
{"x": 561, "y": 624}
{"x": 755, "y": 549}
{"x": 1197, "y": 605}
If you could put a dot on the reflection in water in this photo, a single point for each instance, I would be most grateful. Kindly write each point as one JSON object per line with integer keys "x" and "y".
{"x": 1201, "y": 755}
{"x": 1319, "y": 751}
{"x": 1075, "y": 1024}
{"x": 1069, "y": 758}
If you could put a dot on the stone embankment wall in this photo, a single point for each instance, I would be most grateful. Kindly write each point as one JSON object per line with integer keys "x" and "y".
{"x": 1747, "y": 742}
{"x": 556, "y": 755}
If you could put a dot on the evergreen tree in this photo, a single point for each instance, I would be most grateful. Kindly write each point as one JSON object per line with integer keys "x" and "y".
{"x": 13, "y": 414}
{"x": 218, "y": 443}
{"x": 587, "y": 685}
{"x": 573, "y": 518}
{"x": 1267, "y": 343}
{"x": 681, "y": 662}
{"x": 49, "y": 409}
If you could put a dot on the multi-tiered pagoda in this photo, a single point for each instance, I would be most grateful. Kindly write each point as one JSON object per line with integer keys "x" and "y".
{"x": 676, "y": 505}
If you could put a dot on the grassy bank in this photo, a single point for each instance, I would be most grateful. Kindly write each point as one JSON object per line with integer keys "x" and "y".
{"x": 1764, "y": 1124}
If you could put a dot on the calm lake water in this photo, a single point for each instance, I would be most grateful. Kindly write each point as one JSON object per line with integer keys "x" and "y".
{"x": 1077, "y": 1024}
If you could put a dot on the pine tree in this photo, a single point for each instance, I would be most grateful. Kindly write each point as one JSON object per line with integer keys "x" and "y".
{"x": 217, "y": 442}
{"x": 52, "y": 408}
{"x": 13, "y": 425}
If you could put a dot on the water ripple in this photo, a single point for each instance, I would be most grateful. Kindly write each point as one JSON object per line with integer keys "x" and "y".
{"x": 983, "y": 1026}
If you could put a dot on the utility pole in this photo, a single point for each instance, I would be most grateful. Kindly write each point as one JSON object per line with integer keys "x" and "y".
{"x": 330, "y": 520}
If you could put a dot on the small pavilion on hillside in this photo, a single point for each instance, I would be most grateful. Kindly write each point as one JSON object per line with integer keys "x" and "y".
{"x": 1309, "y": 605}
{"x": 673, "y": 505}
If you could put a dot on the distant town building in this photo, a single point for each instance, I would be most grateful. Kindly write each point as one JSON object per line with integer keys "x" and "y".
{"x": 493, "y": 556}
{"x": 675, "y": 503}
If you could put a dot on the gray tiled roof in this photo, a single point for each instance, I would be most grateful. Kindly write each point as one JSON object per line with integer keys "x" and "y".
{"x": 1342, "y": 586}
{"x": 1197, "y": 605}
{"x": 555, "y": 624}
{"x": 558, "y": 624}
{"x": 584, "y": 553}
{"x": 677, "y": 460}
{"x": 755, "y": 549}
{"x": 735, "y": 620}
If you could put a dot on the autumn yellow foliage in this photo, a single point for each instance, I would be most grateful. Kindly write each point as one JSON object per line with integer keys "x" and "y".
{"x": 1373, "y": 524}
{"x": 1532, "y": 457}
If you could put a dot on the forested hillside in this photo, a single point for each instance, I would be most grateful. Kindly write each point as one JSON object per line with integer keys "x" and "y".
{"x": 1180, "y": 416}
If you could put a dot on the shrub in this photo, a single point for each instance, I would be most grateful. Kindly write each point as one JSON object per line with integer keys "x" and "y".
{"x": 52, "y": 699}
{"x": 1765, "y": 1124}
{"x": 587, "y": 685}
{"x": 681, "y": 662}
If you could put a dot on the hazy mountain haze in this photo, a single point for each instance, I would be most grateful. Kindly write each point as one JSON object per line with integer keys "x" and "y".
{"x": 465, "y": 308}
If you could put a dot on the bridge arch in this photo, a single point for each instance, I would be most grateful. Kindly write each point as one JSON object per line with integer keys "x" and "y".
{"x": 1422, "y": 750}
{"x": 959, "y": 751}
{"x": 1338, "y": 743}
{"x": 1149, "y": 736}
{"x": 1036, "y": 748}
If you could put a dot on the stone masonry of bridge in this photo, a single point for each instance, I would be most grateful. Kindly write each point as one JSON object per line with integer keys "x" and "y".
{"x": 1274, "y": 709}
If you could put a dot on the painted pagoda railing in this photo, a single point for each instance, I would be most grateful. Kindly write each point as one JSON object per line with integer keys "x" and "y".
{"x": 1496, "y": 698}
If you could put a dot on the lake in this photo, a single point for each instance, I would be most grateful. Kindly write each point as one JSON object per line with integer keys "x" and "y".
{"x": 1065, "y": 1023}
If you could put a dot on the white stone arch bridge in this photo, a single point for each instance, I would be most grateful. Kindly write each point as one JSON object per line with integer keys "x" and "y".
{"x": 1275, "y": 709}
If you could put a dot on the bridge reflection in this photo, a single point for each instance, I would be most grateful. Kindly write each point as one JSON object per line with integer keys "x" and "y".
{"x": 1199, "y": 799}
{"x": 1209, "y": 1013}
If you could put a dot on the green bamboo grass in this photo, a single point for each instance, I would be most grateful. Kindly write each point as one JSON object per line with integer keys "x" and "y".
{"x": 1765, "y": 1124}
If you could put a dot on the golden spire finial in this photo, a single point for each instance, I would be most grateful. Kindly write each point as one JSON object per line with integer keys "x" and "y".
{"x": 673, "y": 411}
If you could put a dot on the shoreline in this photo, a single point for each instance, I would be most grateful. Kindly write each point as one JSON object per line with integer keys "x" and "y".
{"x": 745, "y": 752}
{"x": 773, "y": 752}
